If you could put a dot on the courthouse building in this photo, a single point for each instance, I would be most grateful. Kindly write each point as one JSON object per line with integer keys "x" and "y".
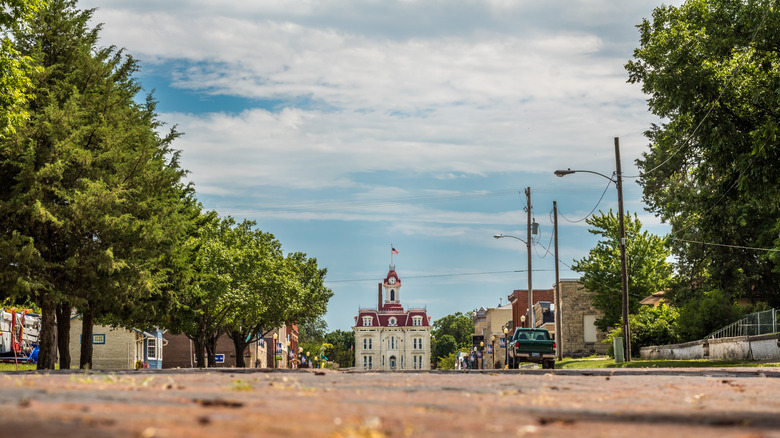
{"x": 390, "y": 338}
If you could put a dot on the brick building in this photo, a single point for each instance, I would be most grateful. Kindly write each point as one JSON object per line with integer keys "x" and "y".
{"x": 180, "y": 353}
{"x": 520, "y": 308}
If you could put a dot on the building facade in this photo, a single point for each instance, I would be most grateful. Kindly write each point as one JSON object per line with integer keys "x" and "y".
{"x": 579, "y": 335}
{"x": 489, "y": 340}
{"x": 389, "y": 337}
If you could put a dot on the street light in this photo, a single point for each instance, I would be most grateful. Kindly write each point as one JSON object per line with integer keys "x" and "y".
{"x": 493, "y": 355}
{"x": 273, "y": 351}
{"x": 506, "y": 347}
{"x": 618, "y": 180}
{"x": 530, "y": 287}
{"x": 482, "y": 352}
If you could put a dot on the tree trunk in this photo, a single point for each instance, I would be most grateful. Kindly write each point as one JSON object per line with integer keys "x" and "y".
{"x": 63, "y": 335}
{"x": 200, "y": 358}
{"x": 240, "y": 345}
{"x": 211, "y": 349}
{"x": 47, "y": 353}
{"x": 87, "y": 329}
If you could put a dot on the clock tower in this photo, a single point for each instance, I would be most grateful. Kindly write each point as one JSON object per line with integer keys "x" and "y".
{"x": 392, "y": 285}
{"x": 390, "y": 337}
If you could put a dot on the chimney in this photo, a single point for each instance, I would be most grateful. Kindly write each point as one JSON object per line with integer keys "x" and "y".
{"x": 379, "y": 301}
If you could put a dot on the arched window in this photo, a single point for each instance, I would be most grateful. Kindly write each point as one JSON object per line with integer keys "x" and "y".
{"x": 392, "y": 294}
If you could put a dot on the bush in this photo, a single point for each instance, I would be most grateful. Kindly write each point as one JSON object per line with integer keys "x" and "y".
{"x": 700, "y": 317}
{"x": 651, "y": 326}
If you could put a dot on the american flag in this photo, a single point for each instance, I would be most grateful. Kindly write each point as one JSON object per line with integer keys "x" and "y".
{"x": 394, "y": 251}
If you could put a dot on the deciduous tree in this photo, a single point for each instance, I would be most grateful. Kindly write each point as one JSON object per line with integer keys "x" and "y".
{"x": 711, "y": 69}
{"x": 648, "y": 268}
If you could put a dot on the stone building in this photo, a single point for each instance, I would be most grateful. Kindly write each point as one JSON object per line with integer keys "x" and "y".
{"x": 390, "y": 338}
{"x": 579, "y": 335}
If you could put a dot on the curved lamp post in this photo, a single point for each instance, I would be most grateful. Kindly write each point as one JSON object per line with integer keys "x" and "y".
{"x": 530, "y": 282}
{"x": 618, "y": 180}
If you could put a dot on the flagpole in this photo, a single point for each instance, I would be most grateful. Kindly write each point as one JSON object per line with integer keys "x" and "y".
{"x": 391, "y": 257}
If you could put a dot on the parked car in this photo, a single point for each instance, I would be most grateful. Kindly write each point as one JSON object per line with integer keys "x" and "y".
{"x": 532, "y": 345}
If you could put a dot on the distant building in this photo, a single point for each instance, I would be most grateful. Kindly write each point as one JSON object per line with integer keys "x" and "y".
{"x": 390, "y": 338}
{"x": 488, "y": 343}
{"x": 118, "y": 348}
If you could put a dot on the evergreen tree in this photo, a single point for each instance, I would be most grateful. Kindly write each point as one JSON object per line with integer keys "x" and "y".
{"x": 95, "y": 196}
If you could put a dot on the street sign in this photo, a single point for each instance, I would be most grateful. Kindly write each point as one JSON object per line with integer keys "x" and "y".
{"x": 219, "y": 358}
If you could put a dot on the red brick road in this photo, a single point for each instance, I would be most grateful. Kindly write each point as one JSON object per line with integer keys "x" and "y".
{"x": 244, "y": 403}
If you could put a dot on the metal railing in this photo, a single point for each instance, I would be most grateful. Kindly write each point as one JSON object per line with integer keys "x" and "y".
{"x": 759, "y": 323}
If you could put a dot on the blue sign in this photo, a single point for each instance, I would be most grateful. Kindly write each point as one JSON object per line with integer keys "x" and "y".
{"x": 219, "y": 358}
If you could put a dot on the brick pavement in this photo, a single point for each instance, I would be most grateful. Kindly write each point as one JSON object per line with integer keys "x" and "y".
{"x": 244, "y": 403}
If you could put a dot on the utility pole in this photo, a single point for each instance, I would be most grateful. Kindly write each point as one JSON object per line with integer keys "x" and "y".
{"x": 623, "y": 264}
{"x": 558, "y": 313}
{"x": 528, "y": 244}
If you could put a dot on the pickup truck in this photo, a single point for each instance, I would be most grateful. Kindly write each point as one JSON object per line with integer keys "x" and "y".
{"x": 532, "y": 345}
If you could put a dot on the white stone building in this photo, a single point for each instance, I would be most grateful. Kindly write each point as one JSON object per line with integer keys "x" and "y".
{"x": 390, "y": 338}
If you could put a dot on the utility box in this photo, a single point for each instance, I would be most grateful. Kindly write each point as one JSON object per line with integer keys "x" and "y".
{"x": 617, "y": 345}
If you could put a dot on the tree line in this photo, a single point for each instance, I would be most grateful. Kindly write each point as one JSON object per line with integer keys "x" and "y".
{"x": 95, "y": 213}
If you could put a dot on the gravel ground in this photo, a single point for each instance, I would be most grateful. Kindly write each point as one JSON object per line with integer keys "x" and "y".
{"x": 224, "y": 403}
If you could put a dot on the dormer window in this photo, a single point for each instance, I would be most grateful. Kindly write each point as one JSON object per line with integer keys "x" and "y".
{"x": 417, "y": 320}
{"x": 368, "y": 321}
{"x": 392, "y": 321}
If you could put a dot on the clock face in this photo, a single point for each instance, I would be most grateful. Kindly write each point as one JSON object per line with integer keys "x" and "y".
{"x": 391, "y": 280}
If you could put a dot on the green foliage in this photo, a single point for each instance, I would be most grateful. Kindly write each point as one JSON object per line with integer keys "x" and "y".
{"x": 444, "y": 346}
{"x": 649, "y": 326}
{"x": 15, "y": 68}
{"x": 312, "y": 330}
{"x": 711, "y": 70}
{"x": 459, "y": 326}
{"x": 648, "y": 269}
{"x": 91, "y": 197}
{"x": 342, "y": 351}
{"x": 711, "y": 311}
{"x": 448, "y": 362}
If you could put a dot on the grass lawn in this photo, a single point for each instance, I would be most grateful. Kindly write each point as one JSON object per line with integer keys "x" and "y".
{"x": 12, "y": 367}
{"x": 604, "y": 362}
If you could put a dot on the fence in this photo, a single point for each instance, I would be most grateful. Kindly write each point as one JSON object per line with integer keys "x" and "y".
{"x": 759, "y": 323}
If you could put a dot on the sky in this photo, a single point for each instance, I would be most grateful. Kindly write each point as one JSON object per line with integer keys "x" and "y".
{"x": 347, "y": 127}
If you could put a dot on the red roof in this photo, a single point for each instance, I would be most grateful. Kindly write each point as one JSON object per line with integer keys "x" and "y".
{"x": 402, "y": 318}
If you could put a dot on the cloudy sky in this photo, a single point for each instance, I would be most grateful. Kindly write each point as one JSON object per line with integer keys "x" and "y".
{"x": 343, "y": 127}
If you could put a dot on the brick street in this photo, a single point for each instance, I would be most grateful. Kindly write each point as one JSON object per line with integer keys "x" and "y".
{"x": 728, "y": 402}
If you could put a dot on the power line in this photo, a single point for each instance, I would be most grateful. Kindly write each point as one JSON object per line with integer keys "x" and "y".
{"x": 727, "y": 246}
{"x": 591, "y": 211}
{"x": 442, "y": 275}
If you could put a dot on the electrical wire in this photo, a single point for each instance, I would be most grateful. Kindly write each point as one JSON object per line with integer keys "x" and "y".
{"x": 727, "y": 246}
{"x": 591, "y": 211}
{"x": 441, "y": 275}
